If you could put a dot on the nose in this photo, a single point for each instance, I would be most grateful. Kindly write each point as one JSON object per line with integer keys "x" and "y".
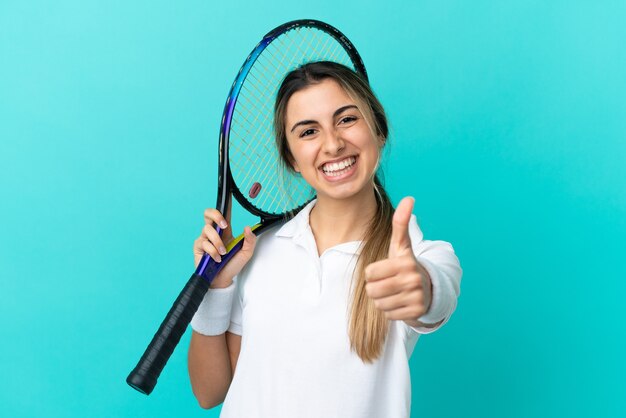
{"x": 333, "y": 143}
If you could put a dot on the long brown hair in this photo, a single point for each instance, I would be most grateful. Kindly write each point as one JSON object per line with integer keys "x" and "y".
{"x": 368, "y": 326}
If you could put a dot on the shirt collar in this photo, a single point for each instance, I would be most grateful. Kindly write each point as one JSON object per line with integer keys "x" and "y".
{"x": 299, "y": 230}
{"x": 298, "y": 224}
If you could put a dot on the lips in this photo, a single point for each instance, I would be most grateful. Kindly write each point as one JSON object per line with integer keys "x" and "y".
{"x": 340, "y": 170}
{"x": 337, "y": 167}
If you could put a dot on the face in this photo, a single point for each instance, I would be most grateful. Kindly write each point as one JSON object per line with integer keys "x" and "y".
{"x": 331, "y": 143}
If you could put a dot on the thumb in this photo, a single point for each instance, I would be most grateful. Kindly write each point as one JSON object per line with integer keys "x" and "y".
{"x": 400, "y": 226}
{"x": 249, "y": 241}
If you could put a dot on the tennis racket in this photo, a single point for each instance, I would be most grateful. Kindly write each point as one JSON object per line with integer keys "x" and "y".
{"x": 249, "y": 165}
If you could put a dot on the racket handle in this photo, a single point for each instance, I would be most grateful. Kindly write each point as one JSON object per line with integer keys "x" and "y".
{"x": 144, "y": 376}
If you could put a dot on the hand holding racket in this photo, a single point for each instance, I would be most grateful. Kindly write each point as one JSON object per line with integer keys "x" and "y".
{"x": 209, "y": 242}
{"x": 249, "y": 168}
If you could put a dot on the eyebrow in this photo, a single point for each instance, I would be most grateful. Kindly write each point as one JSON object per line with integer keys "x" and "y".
{"x": 337, "y": 112}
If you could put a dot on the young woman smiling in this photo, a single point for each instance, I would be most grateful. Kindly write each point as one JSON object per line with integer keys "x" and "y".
{"x": 325, "y": 315}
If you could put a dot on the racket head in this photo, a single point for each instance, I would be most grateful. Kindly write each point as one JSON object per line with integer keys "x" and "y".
{"x": 250, "y": 166}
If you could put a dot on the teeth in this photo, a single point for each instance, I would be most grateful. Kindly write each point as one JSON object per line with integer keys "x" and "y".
{"x": 332, "y": 168}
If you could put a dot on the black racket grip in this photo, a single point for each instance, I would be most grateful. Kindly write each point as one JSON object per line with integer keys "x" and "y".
{"x": 144, "y": 376}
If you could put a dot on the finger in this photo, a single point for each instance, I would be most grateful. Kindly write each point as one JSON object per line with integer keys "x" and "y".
{"x": 382, "y": 289}
{"x": 393, "y": 285}
{"x": 208, "y": 248}
{"x": 399, "y": 301}
{"x": 400, "y": 226}
{"x": 406, "y": 313}
{"x": 212, "y": 215}
{"x": 197, "y": 246}
{"x": 249, "y": 241}
{"x": 387, "y": 268}
{"x": 211, "y": 234}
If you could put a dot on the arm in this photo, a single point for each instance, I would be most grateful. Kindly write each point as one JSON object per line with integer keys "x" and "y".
{"x": 213, "y": 352}
{"x": 419, "y": 281}
{"x": 211, "y": 362}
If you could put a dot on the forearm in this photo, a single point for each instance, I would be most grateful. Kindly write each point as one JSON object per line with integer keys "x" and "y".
{"x": 209, "y": 360}
{"x": 210, "y": 368}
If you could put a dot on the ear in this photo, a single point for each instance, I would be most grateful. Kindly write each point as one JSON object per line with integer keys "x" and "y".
{"x": 381, "y": 141}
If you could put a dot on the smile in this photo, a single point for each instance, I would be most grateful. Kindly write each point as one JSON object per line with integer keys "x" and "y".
{"x": 338, "y": 168}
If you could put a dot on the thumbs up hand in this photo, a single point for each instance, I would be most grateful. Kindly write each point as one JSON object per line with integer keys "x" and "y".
{"x": 399, "y": 285}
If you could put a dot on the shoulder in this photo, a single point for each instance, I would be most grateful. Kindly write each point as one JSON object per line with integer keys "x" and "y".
{"x": 267, "y": 240}
{"x": 268, "y": 245}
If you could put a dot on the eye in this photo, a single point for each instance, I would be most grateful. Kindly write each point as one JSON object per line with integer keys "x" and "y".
{"x": 347, "y": 119}
{"x": 307, "y": 132}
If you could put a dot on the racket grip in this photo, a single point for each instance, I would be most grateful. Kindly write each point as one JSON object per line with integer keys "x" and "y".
{"x": 144, "y": 376}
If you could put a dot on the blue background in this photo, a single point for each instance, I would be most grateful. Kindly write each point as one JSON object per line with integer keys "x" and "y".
{"x": 508, "y": 126}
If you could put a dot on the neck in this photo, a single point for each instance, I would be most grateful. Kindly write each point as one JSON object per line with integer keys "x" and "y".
{"x": 335, "y": 221}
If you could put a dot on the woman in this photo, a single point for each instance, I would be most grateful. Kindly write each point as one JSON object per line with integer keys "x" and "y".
{"x": 322, "y": 320}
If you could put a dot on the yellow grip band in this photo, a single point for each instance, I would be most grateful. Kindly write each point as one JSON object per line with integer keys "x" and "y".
{"x": 239, "y": 238}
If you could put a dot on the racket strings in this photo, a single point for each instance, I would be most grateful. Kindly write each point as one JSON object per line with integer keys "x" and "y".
{"x": 272, "y": 197}
{"x": 253, "y": 154}
{"x": 261, "y": 108}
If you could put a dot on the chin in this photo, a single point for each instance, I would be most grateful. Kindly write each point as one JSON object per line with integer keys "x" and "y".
{"x": 342, "y": 192}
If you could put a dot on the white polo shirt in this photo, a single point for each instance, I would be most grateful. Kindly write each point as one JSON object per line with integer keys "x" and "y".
{"x": 291, "y": 309}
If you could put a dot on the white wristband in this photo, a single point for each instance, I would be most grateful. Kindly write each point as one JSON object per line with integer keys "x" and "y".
{"x": 213, "y": 315}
